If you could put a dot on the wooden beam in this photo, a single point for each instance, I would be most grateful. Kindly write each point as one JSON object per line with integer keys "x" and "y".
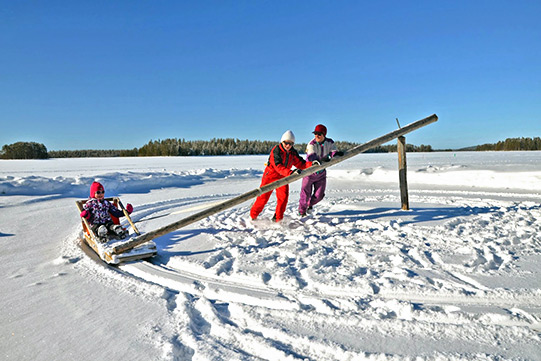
{"x": 269, "y": 187}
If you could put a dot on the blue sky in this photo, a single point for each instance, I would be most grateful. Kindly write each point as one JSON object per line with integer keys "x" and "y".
{"x": 116, "y": 74}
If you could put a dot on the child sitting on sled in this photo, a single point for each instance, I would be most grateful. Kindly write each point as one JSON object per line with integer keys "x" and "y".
{"x": 98, "y": 210}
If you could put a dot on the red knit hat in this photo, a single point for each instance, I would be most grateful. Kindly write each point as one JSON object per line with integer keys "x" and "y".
{"x": 320, "y": 128}
{"x": 94, "y": 188}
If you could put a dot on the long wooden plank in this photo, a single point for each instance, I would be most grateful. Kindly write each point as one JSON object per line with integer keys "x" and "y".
{"x": 269, "y": 187}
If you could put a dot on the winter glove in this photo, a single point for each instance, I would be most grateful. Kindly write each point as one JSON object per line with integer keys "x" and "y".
{"x": 85, "y": 214}
{"x": 315, "y": 162}
{"x": 129, "y": 208}
{"x": 326, "y": 158}
{"x": 296, "y": 171}
{"x": 338, "y": 154}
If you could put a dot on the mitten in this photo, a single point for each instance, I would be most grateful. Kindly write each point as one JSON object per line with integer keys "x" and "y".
{"x": 296, "y": 171}
{"x": 338, "y": 154}
{"x": 326, "y": 158}
{"x": 85, "y": 214}
{"x": 129, "y": 208}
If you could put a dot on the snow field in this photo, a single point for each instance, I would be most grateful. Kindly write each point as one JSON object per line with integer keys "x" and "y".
{"x": 454, "y": 278}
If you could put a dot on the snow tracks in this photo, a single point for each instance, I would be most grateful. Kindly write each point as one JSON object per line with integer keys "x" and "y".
{"x": 452, "y": 279}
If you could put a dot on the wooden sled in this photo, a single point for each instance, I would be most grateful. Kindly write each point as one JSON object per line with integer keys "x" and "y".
{"x": 104, "y": 250}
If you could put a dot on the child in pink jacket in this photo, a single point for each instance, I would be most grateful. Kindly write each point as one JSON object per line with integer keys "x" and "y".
{"x": 97, "y": 210}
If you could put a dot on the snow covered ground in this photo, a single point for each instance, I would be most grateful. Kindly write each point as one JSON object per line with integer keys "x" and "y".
{"x": 458, "y": 277}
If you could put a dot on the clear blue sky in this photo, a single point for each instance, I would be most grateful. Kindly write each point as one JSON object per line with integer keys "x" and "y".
{"x": 115, "y": 74}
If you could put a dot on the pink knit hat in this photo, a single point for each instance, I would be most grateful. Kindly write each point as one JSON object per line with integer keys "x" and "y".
{"x": 94, "y": 188}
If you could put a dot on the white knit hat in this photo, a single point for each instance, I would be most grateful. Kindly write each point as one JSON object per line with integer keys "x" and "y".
{"x": 288, "y": 135}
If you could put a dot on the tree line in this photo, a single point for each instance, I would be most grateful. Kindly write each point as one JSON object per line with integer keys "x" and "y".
{"x": 513, "y": 144}
{"x": 229, "y": 146}
{"x": 93, "y": 153}
{"x": 179, "y": 147}
{"x": 215, "y": 146}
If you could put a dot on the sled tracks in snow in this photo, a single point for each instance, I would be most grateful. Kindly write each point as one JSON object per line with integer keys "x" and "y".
{"x": 216, "y": 288}
{"x": 416, "y": 280}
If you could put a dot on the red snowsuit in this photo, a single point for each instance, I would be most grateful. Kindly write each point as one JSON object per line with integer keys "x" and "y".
{"x": 278, "y": 167}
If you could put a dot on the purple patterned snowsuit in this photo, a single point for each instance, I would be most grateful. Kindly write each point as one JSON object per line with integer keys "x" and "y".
{"x": 313, "y": 186}
{"x": 100, "y": 213}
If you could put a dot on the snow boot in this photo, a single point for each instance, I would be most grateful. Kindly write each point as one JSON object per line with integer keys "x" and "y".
{"x": 119, "y": 231}
{"x": 102, "y": 231}
{"x": 102, "y": 234}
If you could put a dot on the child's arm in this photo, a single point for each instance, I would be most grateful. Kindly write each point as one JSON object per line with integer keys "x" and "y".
{"x": 117, "y": 212}
{"x": 86, "y": 213}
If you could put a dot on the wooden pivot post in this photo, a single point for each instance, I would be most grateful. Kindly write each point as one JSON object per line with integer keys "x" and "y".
{"x": 401, "y": 149}
{"x": 145, "y": 237}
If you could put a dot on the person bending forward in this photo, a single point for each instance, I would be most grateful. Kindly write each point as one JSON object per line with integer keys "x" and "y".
{"x": 320, "y": 149}
{"x": 282, "y": 157}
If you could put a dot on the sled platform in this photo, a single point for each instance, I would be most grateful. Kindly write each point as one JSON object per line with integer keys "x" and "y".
{"x": 105, "y": 249}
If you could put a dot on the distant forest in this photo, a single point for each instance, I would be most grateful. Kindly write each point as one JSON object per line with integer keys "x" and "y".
{"x": 215, "y": 146}
{"x": 513, "y": 144}
{"x": 227, "y": 146}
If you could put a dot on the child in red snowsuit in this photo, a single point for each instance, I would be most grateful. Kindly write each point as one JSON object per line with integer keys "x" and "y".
{"x": 282, "y": 157}
{"x": 97, "y": 210}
